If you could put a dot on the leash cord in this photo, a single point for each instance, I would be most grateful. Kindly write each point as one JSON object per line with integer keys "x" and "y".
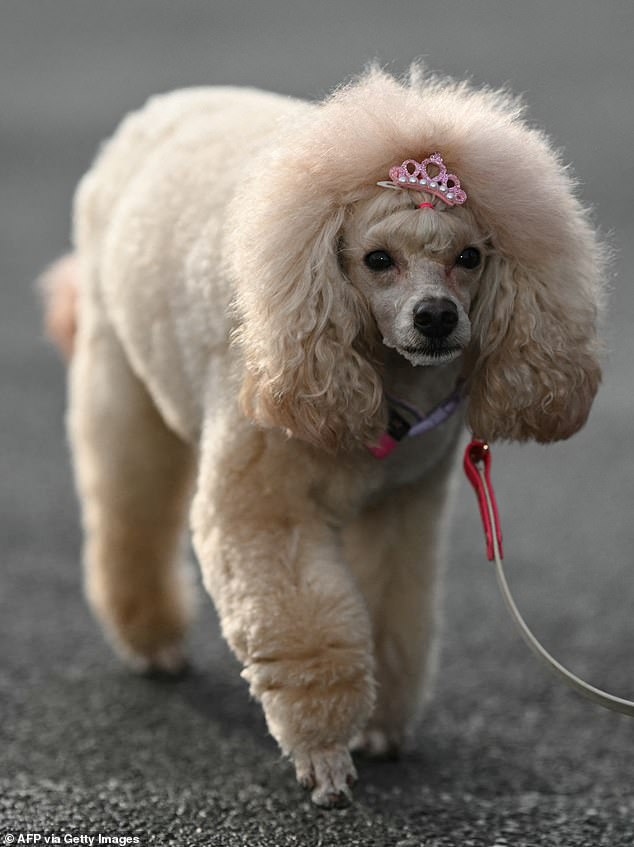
{"x": 603, "y": 698}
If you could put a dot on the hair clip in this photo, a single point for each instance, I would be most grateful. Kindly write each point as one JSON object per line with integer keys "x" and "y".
{"x": 415, "y": 176}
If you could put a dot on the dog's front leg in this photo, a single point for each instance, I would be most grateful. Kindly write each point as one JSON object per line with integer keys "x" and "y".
{"x": 394, "y": 548}
{"x": 288, "y": 605}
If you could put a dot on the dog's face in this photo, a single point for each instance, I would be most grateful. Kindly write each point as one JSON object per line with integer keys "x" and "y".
{"x": 419, "y": 271}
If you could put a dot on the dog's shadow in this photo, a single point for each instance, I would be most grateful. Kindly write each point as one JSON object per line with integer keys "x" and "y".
{"x": 217, "y": 696}
{"x": 210, "y": 693}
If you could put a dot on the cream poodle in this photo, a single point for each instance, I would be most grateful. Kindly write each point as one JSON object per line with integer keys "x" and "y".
{"x": 271, "y": 296}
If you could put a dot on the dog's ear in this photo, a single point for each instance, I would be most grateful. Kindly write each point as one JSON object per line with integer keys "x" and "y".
{"x": 306, "y": 334}
{"x": 535, "y": 366}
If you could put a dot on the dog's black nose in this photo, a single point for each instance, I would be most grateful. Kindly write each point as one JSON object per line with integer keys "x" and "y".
{"x": 436, "y": 317}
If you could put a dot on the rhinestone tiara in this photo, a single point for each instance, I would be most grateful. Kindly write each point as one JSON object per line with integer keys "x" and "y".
{"x": 415, "y": 176}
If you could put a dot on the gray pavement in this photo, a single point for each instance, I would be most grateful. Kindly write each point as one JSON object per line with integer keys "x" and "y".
{"x": 505, "y": 755}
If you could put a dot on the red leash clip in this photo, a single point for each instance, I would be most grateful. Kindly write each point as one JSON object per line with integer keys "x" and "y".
{"x": 479, "y": 451}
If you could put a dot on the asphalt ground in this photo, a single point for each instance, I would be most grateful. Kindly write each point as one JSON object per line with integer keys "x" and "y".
{"x": 505, "y": 754}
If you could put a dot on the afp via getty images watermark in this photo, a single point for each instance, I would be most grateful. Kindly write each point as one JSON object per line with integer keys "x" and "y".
{"x": 41, "y": 838}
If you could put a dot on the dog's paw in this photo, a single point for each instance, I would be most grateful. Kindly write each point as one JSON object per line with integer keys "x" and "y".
{"x": 375, "y": 743}
{"x": 328, "y": 774}
{"x": 168, "y": 659}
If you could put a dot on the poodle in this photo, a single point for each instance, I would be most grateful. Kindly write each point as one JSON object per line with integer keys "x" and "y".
{"x": 265, "y": 300}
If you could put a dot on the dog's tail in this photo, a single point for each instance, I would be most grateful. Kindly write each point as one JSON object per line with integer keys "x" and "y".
{"x": 59, "y": 285}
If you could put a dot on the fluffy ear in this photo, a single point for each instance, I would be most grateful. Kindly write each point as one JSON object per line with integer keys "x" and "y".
{"x": 307, "y": 336}
{"x": 536, "y": 369}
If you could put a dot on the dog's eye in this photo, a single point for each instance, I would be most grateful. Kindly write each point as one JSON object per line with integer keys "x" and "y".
{"x": 469, "y": 258}
{"x": 379, "y": 260}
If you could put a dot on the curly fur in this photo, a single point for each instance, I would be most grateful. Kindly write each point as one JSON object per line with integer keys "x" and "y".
{"x": 535, "y": 325}
{"x": 233, "y": 344}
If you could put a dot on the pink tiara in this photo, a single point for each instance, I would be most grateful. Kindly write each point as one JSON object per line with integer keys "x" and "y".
{"x": 414, "y": 175}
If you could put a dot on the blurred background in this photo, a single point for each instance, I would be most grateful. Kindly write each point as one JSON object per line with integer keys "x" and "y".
{"x": 504, "y": 755}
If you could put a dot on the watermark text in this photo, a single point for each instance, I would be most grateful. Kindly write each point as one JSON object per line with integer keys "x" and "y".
{"x": 98, "y": 839}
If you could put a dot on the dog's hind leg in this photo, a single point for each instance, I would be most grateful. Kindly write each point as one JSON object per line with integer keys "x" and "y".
{"x": 133, "y": 476}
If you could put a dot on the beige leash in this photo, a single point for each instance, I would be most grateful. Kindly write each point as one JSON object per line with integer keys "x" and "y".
{"x": 477, "y": 465}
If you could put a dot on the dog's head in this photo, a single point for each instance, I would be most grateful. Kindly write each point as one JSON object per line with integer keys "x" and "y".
{"x": 337, "y": 268}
